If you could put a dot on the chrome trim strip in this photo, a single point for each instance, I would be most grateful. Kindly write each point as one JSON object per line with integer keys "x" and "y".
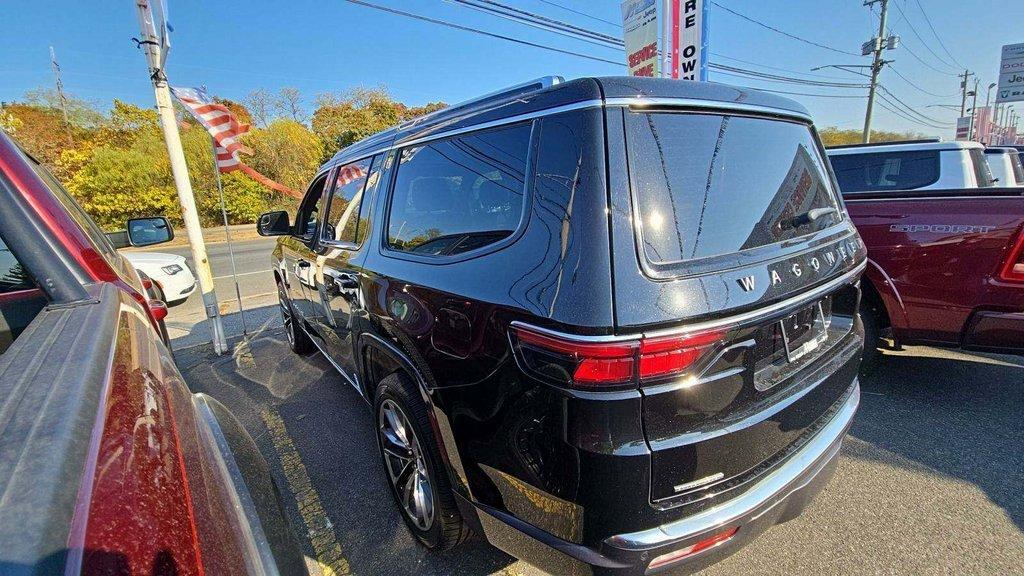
{"x": 640, "y": 102}
{"x": 775, "y": 487}
{"x": 501, "y": 122}
{"x": 737, "y": 319}
{"x": 909, "y": 198}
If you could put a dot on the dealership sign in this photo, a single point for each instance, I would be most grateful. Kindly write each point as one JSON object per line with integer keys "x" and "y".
{"x": 1011, "y": 74}
{"x": 963, "y": 128}
{"x": 686, "y": 39}
{"x": 640, "y": 32}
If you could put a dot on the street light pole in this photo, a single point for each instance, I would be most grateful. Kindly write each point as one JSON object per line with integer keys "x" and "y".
{"x": 876, "y": 67}
{"x": 150, "y": 44}
{"x": 974, "y": 110}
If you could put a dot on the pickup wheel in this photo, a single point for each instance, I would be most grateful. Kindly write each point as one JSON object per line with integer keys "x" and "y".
{"x": 298, "y": 340}
{"x": 413, "y": 466}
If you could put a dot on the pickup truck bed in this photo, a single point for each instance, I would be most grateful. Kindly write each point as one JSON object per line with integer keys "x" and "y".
{"x": 937, "y": 261}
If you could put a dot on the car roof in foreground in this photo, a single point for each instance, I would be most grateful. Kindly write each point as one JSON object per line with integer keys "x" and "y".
{"x": 552, "y": 93}
{"x": 902, "y": 147}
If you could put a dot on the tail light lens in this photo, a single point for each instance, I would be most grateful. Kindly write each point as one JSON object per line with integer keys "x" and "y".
{"x": 692, "y": 549}
{"x": 1013, "y": 268}
{"x": 590, "y": 365}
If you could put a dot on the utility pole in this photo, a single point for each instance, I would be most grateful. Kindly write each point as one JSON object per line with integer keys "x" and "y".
{"x": 150, "y": 44}
{"x": 876, "y": 66}
{"x": 60, "y": 93}
{"x": 963, "y": 88}
{"x": 974, "y": 110}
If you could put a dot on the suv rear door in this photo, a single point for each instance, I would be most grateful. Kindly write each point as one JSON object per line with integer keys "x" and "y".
{"x": 728, "y": 230}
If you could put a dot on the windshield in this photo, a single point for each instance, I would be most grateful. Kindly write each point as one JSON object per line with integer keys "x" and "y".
{"x": 711, "y": 184}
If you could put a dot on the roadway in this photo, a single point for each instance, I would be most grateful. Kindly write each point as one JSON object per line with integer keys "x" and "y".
{"x": 185, "y": 322}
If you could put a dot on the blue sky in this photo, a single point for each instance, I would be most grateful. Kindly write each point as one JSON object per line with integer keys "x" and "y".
{"x": 333, "y": 45}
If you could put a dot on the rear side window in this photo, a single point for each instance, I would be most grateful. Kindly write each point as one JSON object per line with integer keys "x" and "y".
{"x": 707, "y": 185}
{"x": 20, "y": 300}
{"x": 981, "y": 170}
{"x": 1018, "y": 168}
{"x": 886, "y": 170}
{"x": 459, "y": 194}
{"x": 342, "y": 223}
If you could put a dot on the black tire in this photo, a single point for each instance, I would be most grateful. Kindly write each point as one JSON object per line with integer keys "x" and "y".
{"x": 298, "y": 340}
{"x": 419, "y": 456}
{"x": 872, "y": 338}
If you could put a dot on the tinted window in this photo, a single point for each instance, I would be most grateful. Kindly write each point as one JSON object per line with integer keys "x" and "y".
{"x": 309, "y": 212}
{"x": 459, "y": 194}
{"x": 16, "y": 310}
{"x": 981, "y": 169}
{"x": 1018, "y": 168}
{"x": 342, "y": 222}
{"x": 13, "y": 276}
{"x": 886, "y": 170}
{"x": 710, "y": 184}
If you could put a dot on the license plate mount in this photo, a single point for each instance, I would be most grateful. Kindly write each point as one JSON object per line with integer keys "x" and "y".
{"x": 804, "y": 331}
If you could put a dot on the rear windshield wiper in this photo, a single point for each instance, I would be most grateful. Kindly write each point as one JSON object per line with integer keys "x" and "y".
{"x": 809, "y": 217}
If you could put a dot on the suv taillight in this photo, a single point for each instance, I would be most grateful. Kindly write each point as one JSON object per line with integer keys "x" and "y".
{"x": 1013, "y": 267}
{"x": 589, "y": 365}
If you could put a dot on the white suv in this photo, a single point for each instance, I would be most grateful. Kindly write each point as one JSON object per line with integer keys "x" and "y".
{"x": 1006, "y": 166}
{"x": 916, "y": 165}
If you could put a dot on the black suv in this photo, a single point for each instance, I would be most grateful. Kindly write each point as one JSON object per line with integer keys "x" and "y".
{"x": 609, "y": 324}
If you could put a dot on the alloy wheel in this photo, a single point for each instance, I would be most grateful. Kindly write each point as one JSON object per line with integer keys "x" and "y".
{"x": 406, "y": 466}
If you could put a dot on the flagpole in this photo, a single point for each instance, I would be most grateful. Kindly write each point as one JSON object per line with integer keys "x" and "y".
{"x": 227, "y": 237}
{"x": 150, "y": 44}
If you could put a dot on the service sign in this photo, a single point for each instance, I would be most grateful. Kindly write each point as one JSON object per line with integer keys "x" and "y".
{"x": 640, "y": 32}
{"x": 1011, "y": 74}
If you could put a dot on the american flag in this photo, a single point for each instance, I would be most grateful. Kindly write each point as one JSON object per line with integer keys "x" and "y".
{"x": 226, "y": 131}
{"x": 349, "y": 174}
{"x": 219, "y": 122}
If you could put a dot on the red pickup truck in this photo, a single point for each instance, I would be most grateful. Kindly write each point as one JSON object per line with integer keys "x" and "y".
{"x": 945, "y": 267}
{"x": 108, "y": 463}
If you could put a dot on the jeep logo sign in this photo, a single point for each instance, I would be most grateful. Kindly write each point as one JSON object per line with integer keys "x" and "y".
{"x": 1011, "y": 74}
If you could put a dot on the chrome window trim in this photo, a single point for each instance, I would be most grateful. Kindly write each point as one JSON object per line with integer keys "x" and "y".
{"x": 641, "y": 103}
{"x": 774, "y": 488}
{"x": 909, "y": 198}
{"x": 737, "y": 319}
{"x": 474, "y": 128}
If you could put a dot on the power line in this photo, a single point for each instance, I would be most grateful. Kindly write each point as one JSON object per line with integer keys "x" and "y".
{"x": 789, "y": 79}
{"x": 906, "y": 117}
{"x": 584, "y": 14}
{"x": 918, "y": 88}
{"x": 734, "y": 59}
{"x": 482, "y": 32}
{"x": 539, "y": 25}
{"x": 914, "y": 30}
{"x": 909, "y": 108}
{"x": 784, "y": 33}
{"x": 498, "y": 8}
{"x": 810, "y": 95}
{"x": 937, "y": 37}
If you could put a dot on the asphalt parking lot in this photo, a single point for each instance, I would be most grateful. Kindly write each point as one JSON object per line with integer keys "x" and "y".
{"x": 931, "y": 479}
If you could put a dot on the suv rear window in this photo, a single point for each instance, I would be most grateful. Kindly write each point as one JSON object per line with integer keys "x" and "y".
{"x": 709, "y": 184}
{"x": 1018, "y": 168}
{"x": 459, "y": 194}
{"x": 882, "y": 171}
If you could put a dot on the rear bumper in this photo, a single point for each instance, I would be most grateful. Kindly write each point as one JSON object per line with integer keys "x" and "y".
{"x": 779, "y": 496}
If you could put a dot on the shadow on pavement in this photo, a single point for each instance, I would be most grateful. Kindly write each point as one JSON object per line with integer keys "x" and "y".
{"x": 332, "y": 431}
{"x": 958, "y": 415}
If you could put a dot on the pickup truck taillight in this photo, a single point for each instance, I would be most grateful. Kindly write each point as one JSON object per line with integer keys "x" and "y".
{"x": 592, "y": 365}
{"x": 1013, "y": 268}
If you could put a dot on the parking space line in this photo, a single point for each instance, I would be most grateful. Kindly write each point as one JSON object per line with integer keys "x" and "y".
{"x": 319, "y": 529}
{"x": 243, "y": 274}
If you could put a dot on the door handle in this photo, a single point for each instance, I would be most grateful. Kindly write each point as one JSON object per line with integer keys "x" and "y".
{"x": 303, "y": 264}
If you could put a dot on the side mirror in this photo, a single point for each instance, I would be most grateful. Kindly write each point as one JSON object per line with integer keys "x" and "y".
{"x": 149, "y": 231}
{"x": 273, "y": 224}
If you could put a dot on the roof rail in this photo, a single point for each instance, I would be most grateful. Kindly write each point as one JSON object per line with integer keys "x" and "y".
{"x": 509, "y": 92}
{"x": 889, "y": 143}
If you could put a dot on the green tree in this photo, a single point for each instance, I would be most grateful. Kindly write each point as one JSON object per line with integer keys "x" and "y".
{"x": 833, "y": 136}
{"x": 285, "y": 151}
